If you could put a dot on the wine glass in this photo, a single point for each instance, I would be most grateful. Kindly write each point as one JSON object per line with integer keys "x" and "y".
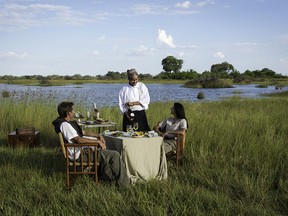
{"x": 129, "y": 129}
{"x": 135, "y": 126}
{"x": 77, "y": 115}
{"x": 88, "y": 116}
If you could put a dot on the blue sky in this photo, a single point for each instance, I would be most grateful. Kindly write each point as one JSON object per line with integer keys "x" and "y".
{"x": 92, "y": 37}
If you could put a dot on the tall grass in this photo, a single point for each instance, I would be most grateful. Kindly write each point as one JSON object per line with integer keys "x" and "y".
{"x": 236, "y": 164}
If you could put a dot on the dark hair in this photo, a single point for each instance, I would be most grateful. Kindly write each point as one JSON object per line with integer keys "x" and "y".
{"x": 180, "y": 111}
{"x": 64, "y": 108}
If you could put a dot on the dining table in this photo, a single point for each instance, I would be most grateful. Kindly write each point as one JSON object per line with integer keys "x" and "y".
{"x": 144, "y": 156}
{"x": 99, "y": 125}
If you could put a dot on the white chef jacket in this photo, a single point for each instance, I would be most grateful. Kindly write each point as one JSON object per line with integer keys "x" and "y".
{"x": 129, "y": 93}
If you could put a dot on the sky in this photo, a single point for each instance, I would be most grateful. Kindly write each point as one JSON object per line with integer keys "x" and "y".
{"x": 92, "y": 37}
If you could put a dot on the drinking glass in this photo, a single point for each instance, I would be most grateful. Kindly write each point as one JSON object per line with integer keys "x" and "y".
{"x": 129, "y": 129}
{"x": 135, "y": 126}
{"x": 77, "y": 115}
{"x": 88, "y": 116}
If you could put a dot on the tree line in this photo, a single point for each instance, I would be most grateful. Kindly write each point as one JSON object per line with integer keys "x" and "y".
{"x": 171, "y": 70}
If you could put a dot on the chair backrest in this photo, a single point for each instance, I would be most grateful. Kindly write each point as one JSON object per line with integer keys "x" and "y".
{"x": 61, "y": 141}
{"x": 181, "y": 139}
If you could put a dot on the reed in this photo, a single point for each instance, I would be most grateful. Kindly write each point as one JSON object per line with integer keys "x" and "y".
{"x": 236, "y": 164}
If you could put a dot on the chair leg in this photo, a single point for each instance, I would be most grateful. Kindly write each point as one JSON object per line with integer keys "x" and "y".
{"x": 68, "y": 181}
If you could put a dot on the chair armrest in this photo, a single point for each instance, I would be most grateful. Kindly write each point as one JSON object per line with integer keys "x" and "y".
{"x": 80, "y": 145}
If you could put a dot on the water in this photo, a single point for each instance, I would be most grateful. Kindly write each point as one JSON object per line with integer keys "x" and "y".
{"x": 107, "y": 94}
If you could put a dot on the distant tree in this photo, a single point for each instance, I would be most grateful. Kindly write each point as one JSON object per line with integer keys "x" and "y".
{"x": 123, "y": 75}
{"x": 111, "y": 75}
{"x": 222, "y": 70}
{"x": 66, "y": 77}
{"x": 206, "y": 74}
{"x": 163, "y": 75}
{"x": 248, "y": 73}
{"x": 145, "y": 76}
{"x": 76, "y": 77}
{"x": 191, "y": 74}
{"x": 171, "y": 64}
{"x": 267, "y": 72}
{"x": 235, "y": 74}
{"x": 54, "y": 77}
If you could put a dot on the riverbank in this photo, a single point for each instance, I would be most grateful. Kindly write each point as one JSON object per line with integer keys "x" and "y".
{"x": 34, "y": 82}
{"x": 61, "y": 82}
{"x": 236, "y": 164}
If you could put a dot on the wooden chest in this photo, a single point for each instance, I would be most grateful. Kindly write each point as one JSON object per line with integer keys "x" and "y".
{"x": 24, "y": 140}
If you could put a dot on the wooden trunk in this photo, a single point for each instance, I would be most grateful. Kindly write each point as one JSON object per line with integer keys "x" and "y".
{"x": 24, "y": 140}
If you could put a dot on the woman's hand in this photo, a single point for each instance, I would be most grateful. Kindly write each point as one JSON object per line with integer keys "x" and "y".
{"x": 158, "y": 131}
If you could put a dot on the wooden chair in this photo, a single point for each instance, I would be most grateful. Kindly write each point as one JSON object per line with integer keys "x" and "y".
{"x": 179, "y": 154}
{"x": 79, "y": 167}
{"x": 181, "y": 139}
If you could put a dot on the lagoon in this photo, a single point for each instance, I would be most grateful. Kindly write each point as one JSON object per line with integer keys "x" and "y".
{"x": 107, "y": 94}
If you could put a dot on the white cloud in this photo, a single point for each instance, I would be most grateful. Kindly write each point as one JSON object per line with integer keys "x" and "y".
{"x": 282, "y": 39}
{"x": 219, "y": 55}
{"x": 142, "y": 50}
{"x": 148, "y": 9}
{"x": 95, "y": 53}
{"x": 185, "y": 4}
{"x": 18, "y": 17}
{"x": 204, "y": 3}
{"x": 101, "y": 38}
{"x": 13, "y": 55}
{"x": 165, "y": 39}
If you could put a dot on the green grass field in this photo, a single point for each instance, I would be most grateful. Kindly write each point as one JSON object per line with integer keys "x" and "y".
{"x": 236, "y": 164}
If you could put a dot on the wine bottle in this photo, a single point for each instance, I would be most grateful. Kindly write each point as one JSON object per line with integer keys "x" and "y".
{"x": 96, "y": 113}
{"x": 131, "y": 115}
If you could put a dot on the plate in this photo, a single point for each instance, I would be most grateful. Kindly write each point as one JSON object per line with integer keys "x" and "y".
{"x": 137, "y": 136}
{"x": 89, "y": 122}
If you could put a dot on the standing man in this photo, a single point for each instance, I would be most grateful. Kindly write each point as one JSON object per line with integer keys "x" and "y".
{"x": 133, "y": 101}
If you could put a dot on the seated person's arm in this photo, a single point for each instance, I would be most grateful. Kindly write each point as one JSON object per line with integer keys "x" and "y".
{"x": 91, "y": 134}
{"x": 82, "y": 140}
{"x": 180, "y": 131}
{"x": 157, "y": 129}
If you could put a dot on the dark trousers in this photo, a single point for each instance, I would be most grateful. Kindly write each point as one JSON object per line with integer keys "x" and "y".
{"x": 112, "y": 167}
{"x": 140, "y": 117}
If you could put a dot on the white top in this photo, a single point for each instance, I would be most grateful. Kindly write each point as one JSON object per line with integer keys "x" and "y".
{"x": 129, "y": 93}
{"x": 69, "y": 133}
{"x": 168, "y": 125}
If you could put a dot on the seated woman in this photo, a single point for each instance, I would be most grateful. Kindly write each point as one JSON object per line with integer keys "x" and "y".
{"x": 172, "y": 126}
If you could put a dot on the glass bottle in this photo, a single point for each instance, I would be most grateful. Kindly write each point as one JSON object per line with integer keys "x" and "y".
{"x": 96, "y": 113}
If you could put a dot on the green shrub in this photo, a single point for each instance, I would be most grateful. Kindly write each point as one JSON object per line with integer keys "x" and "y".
{"x": 200, "y": 95}
{"x": 45, "y": 82}
{"x": 5, "y": 94}
{"x": 261, "y": 86}
{"x": 210, "y": 82}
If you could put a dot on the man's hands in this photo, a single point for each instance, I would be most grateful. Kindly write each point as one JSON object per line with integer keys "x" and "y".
{"x": 129, "y": 104}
